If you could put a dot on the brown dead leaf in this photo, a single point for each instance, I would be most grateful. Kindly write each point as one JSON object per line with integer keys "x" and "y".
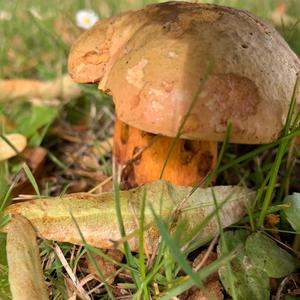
{"x": 107, "y": 268}
{"x": 25, "y": 270}
{"x": 35, "y": 157}
{"x": 77, "y": 186}
{"x": 272, "y": 220}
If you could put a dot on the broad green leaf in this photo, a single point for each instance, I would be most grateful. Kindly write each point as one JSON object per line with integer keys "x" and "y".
{"x": 37, "y": 117}
{"x": 266, "y": 256}
{"x": 249, "y": 282}
{"x": 293, "y": 212}
{"x": 25, "y": 269}
{"x": 96, "y": 214}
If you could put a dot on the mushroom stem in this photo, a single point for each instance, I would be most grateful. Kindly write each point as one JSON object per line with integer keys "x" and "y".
{"x": 143, "y": 154}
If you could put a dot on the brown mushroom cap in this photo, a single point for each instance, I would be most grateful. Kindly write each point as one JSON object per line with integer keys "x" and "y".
{"x": 152, "y": 62}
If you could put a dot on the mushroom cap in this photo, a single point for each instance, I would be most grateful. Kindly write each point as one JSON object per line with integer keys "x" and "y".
{"x": 153, "y": 62}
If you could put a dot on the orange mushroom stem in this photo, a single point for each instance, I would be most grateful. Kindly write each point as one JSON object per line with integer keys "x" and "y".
{"x": 143, "y": 156}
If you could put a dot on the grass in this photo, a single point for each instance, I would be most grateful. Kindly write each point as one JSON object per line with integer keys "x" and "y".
{"x": 35, "y": 44}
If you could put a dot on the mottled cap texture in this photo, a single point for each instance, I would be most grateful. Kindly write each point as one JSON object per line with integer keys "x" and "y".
{"x": 153, "y": 61}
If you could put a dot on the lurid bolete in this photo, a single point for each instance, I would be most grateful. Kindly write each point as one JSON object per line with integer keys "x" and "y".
{"x": 152, "y": 62}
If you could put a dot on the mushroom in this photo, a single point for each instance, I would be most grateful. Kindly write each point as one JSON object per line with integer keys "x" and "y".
{"x": 152, "y": 62}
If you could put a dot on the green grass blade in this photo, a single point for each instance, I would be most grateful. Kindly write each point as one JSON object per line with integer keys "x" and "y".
{"x": 155, "y": 270}
{"x": 292, "y": 107}
{"x": 31, "y": 179}
{"x": 231, "y": 281}
{"x": 44, "y": 30}
{"x": 283, "y": 147}
{"x": 257, "y": 151}
{"x": 8, "y": 193}
{"x": 175, "y": 250}
{"x": 108, "y": 258}
{"x": 55, "y": 160}
{"x": 141, "y": 245}
{"x": 128, "y": 254}
{"x": 188, "y": 282}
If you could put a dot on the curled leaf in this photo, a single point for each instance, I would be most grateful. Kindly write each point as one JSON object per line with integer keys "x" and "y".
{"x": 25, "y": 270}
{"x": 11, "y": 145}
{"x": 96, "y": 215}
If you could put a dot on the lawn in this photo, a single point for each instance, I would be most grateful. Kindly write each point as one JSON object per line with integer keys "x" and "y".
{"x": 63, "y": 145}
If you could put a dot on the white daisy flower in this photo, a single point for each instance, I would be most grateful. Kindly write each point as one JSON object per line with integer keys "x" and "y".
{"x": 86, "y": 19}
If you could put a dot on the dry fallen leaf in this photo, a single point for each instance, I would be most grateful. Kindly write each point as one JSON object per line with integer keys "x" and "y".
{"x": 96, "y": 214}
{"x": 272, "y": 220}
{"x": 63, "y": 87}
{"x": 19, "y": 141}
{"x": 25, "y": 270}
{"x": 107, "y": 268}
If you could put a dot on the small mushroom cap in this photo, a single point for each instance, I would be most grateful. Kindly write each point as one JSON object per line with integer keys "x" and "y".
{"x": 153, "y": 61}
